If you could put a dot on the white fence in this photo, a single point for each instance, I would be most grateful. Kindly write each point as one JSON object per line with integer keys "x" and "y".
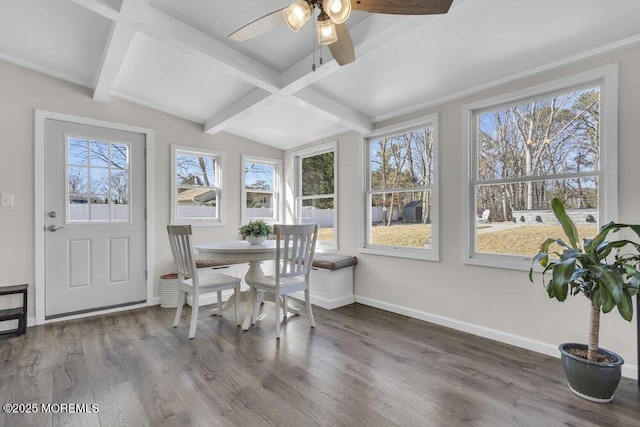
{"x": 259, "y": 212}
{"x": 324, "y": 217}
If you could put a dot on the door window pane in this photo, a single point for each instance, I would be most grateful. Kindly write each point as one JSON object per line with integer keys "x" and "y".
{"x": 78, "y": 152}
{"x": 98, "y": 185}
{"x": 99, "y": 153}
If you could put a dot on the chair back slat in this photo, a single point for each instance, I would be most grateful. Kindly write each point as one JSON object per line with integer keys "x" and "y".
{"x": 182, "y": 250}
{"x": 295, "y": 249}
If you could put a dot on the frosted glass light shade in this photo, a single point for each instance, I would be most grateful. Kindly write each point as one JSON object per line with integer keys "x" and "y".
{"x": 297, "y": 14}
{"x": 326, "y": 30}
{"x": 338, "y": 10}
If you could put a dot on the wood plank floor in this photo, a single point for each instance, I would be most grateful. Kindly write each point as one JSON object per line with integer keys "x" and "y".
{"x": 359, "y": 367}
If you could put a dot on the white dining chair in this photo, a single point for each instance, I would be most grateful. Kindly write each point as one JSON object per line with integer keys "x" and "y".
{"x": 195, "y": 281}
{"x": 295, "y": 248}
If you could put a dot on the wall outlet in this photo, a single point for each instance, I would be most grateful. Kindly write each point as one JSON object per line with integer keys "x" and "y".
{"x": 6, "y": 200}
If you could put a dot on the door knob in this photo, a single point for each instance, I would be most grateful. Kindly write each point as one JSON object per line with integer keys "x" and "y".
{"x": 54, "y": 228}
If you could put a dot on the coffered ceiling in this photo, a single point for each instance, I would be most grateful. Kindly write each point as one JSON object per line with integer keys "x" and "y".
{"x": 174, "y": 56}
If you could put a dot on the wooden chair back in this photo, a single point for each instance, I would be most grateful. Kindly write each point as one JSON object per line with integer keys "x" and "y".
{"x": 295, "y": 248}
{"x": 182, "y": 250}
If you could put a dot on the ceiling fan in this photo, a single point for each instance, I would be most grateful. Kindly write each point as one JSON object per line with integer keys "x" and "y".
{"x": 330, "y": 25}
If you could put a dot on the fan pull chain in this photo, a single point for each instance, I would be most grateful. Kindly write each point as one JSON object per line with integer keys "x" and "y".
{"x": 313, "y": 47}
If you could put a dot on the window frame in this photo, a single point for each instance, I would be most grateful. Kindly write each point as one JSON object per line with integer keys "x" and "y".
{"x": 219, "y": 156}
{"x": 276, "y": 193}
{"x": 433, "y": 254}
{"x": 607, "y": 79}
{"x": 298, "y": 156}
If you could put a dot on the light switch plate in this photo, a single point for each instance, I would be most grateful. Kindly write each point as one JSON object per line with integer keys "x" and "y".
{"x": 6, "y": 200}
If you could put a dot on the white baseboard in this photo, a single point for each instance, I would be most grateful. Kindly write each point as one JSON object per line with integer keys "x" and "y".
{"x": 628, "y": 370}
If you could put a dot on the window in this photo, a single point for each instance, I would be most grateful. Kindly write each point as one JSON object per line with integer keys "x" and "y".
{"x": 196, "y": 189}
{"x": 260, "y": 189}
{"x": 97, "y": 180}
{"x": 401, "y": 191}
{"x": 555, "y": 140}
{"x": 316, "y": 193}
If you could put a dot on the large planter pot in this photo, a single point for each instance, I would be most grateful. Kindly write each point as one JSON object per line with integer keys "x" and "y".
{"x": 594, "y": 381}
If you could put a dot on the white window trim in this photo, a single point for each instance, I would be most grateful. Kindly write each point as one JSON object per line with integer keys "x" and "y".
{"x": 309, "y": 152}
{"x": 220, "y": 167}
{"x": 404, "y": 252}
{"x": 277, "y": 192}
{"x": 607, "y": 77}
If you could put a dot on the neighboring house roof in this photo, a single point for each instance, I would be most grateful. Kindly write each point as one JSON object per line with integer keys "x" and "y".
{"x": 198, "y": 196}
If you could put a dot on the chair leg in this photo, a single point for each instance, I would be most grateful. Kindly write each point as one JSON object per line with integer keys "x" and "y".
{"x": 236, "y": 295}
{"x": 284, "y": 307}
{"x": 194, "y": 317}
{"x": 220, "y": 303}
{"x": 278, "y": 318}
{"x": 254, "y": 311}
{"x": 307, "y": 301}
{"x": 181, "y": 298}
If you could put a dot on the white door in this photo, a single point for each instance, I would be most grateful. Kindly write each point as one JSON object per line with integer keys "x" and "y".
{"x": 95, "y": 241}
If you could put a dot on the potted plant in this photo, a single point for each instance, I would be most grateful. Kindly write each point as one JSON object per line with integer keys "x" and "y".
{"x": 599, "y": 270}
{"x": 255, "y": 232}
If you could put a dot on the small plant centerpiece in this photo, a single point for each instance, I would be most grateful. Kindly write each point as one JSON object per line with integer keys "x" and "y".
{"x": 609, "y": 277}
{"x": 255, "y": 232}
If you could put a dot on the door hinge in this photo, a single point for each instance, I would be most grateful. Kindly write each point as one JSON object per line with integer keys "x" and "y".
{"x": 145, "y": 152}
{"x": 146, "y": 274}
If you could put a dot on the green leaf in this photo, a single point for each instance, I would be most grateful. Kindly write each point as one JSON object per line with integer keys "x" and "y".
{"x": 625, "y": 307}
{"x": 608, "y": 303}
{"x": 560, "y": 278}
{"x": 611, "y": 279}
{"x": 567, "y": 225}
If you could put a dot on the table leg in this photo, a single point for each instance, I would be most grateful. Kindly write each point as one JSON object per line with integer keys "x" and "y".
{"x": 255, "y": 271}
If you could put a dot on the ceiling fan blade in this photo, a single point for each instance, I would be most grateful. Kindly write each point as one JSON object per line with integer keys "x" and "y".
{"x": 403, "y": 7}
{"x": 342, "y": 50}
{"x": 259, "y": 26}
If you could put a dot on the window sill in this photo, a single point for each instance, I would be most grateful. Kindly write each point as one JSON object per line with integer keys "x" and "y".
{"x": 401, "y": 254}
{"x": 507, "y": 263}
{"x": 196, "y": 223}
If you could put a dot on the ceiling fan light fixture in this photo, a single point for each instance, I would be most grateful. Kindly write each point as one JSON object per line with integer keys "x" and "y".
{"x": 338, "y": 10}
{"x": 326, "y": 30}
{"x": 297, "y": 14}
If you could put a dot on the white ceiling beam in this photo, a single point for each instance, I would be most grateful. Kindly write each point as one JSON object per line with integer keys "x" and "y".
{"x": 175, "y": 33}
{"x": 368, "y": 35}
{"x": 115, "y": 51}
{"x": 100, "y": 8}
{"x": 332, "y": 110}
{"x": 256, "y": 100}
{"x": 118, "y": 43}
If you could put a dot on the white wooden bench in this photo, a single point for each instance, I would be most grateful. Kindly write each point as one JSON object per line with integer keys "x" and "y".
{"x": 330, "y": 282}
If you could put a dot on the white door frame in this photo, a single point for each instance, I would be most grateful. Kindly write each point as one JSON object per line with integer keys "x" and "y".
{"x": 39, "y": 207}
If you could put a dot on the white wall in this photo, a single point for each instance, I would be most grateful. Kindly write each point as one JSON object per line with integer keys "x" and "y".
{"x": 22, "y": 91}
{"x": 500, "y": 304}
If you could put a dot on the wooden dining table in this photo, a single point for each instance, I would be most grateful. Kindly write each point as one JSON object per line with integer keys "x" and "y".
{"x": 242, "y": 250}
